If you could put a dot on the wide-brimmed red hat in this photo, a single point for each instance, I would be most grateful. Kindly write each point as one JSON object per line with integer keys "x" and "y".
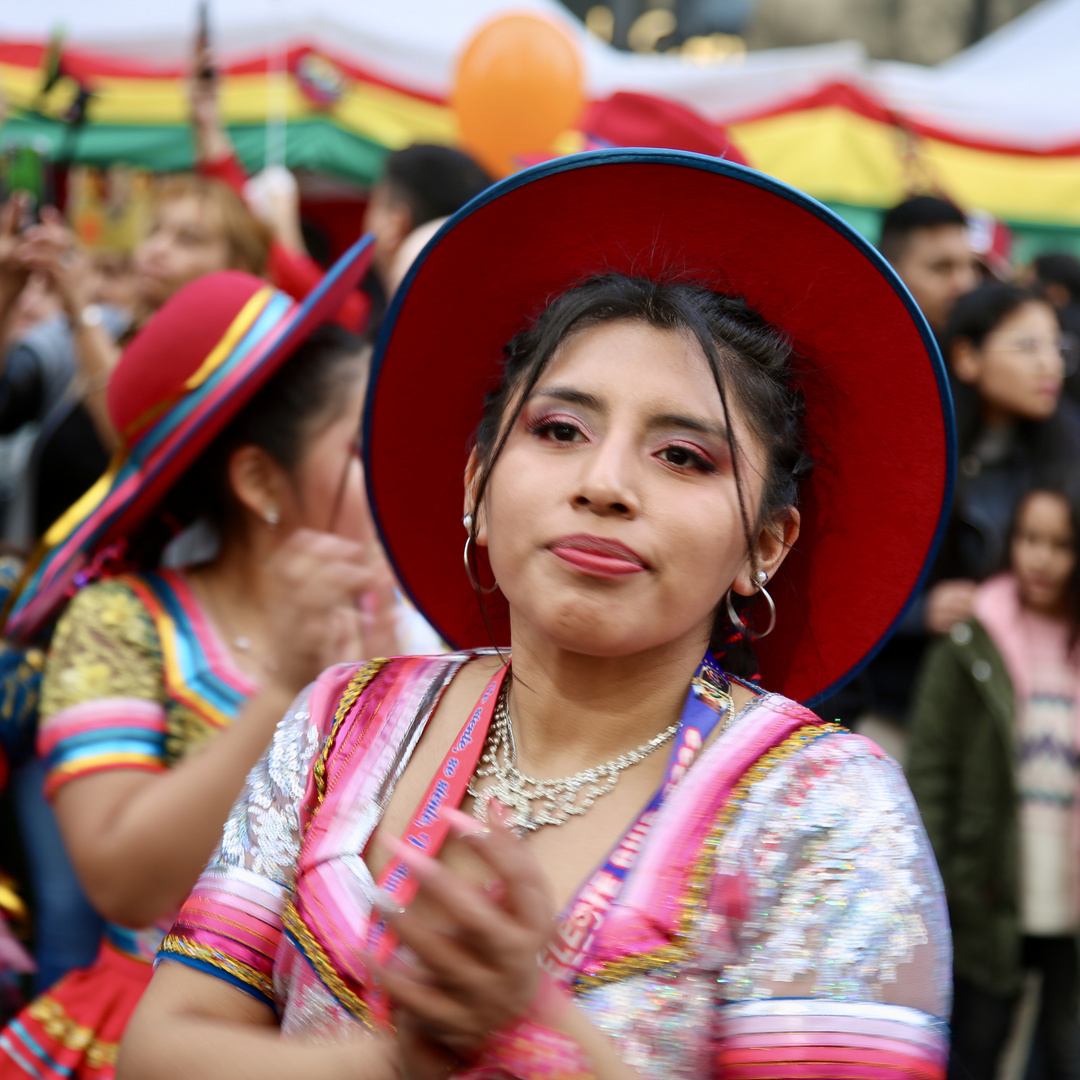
{"x": 878, "y": 414}
{"x": 187, "y": 373}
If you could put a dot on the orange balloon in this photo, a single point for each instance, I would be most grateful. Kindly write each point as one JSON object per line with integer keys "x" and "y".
{"x": 519, "y": 86}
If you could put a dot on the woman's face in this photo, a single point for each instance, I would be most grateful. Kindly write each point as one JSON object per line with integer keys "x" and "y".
{"x": 328, "y": 483}
{"x": 1019, "y": 370}
{"x": 1043, "y": 551}
{"x": 182, "y": 245}
{"x": 612, "y": 516}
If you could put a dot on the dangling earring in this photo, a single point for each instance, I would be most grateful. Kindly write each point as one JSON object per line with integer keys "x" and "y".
{"x": 272, "y": 516}
{"x": 467, "y": 521}
{"x": 760, "y": 578}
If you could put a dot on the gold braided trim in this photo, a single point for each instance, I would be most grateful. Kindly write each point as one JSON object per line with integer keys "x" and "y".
{"x": 357, "y": 685}
{"x": 318, "y": 959}
{"x": 181, "y": 947}
{"x": 50, "y": 1014}
{"x": 694, "y": 898}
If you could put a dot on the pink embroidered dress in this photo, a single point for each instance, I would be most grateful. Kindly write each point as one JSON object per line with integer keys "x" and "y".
{"x": 783, "y": 918}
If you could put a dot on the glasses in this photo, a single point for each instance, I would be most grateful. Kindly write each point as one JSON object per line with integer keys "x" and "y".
{"x": 1067, "y": 346}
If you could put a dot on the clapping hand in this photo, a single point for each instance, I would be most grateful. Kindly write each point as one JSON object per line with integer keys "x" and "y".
{"x": 477, "y": 970}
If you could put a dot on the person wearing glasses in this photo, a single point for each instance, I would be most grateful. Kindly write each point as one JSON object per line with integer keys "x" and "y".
{"x": 1009, "y": 360}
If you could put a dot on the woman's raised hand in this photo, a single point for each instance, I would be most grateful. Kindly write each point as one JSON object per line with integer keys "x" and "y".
{"x": 314, "y": 584}
{"x": 50, "y": 248}
{"x": 478, "y": 970}
{"x": 13, "y": 272}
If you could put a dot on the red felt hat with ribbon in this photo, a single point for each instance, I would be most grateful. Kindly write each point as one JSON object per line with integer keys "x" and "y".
{"x": 878, "y": 414}
{"x": 187, "y": 373}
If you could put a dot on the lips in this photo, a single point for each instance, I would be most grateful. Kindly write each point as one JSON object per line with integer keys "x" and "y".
{"x": 598, "y": 557}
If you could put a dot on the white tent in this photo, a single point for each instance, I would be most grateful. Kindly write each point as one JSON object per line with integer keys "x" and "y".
{"x": 1020, "y": 85}
{"x": 413, "y": 43}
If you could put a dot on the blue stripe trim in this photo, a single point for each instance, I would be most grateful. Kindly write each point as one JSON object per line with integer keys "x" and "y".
{"x": 195, "y": 666}
{"x": 89, "y": 746}
{"x": 13, "y": 1052}
{"x": 37, "y": 1049}
{"x": 756, "y": 179}
{"x": 210, "y": 969}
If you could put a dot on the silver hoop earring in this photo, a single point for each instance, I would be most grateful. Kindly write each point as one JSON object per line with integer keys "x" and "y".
{"x": 472, "y": 577}
{"x": 733, "y": 615}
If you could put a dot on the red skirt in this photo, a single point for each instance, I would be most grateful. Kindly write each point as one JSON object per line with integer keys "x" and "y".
{"x": 73, "y": 1031}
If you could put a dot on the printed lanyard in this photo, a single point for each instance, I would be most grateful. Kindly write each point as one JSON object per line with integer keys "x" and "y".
{"x": 577, "y": 930}
{"x": 427, "y": 830}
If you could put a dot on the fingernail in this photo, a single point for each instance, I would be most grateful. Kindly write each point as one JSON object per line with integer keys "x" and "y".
{"x": 461, "y": 823}
{"x": 501, "y": 812}
{"x": 386, "y": 903}
{"x": 420, "y": 864}
{"x": 496, "y": 891}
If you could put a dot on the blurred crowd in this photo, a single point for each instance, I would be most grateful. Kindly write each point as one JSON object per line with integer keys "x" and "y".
{"x": 976, "y": 692}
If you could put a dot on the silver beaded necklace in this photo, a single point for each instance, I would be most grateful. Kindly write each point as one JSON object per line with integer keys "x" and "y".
{"x": 534, "y": 803}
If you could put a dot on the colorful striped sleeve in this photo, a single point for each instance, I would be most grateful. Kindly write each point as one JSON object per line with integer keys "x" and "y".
{"x": 230, "y": 927}
{"x": 103, "y": 695}
{"x": 96, "y": 736}
{"x": 828, "y": 1040}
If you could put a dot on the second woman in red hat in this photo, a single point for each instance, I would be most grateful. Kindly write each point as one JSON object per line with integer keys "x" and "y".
{"x": 173, "y": 662}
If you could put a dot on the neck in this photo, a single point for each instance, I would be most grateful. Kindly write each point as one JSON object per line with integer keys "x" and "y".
{"x": 573, "y": 710}
{"x": 996, "y": 417}
{"x": 235, "y": 580}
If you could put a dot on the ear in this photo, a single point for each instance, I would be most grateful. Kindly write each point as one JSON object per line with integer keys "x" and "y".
{"x": 771, "y": 547}
{"x": 472, "y": 484}
{"x": 964, "y": 360}
{"x": 399, "y": 222}
{"x": 257, "y": 481}
{"x": 1057, "y": 294}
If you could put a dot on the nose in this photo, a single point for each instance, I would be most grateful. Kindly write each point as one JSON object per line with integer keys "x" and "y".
{"x": 607, "y": 485}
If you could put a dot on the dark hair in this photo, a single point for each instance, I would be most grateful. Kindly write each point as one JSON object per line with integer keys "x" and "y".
{"x": 920, "y": 212}
{"x": 741, "y": 348}
{"x": 306, "y": 390}
{"x": 433, "y": 181}
{"x": 1059, "y": 268}
{"x": 974, "y": 317}
{"x": 1063, "y": 487}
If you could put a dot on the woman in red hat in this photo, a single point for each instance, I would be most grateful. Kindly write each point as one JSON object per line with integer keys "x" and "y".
{"x": 700, "y": 408}
{"x": 239, "y": 411}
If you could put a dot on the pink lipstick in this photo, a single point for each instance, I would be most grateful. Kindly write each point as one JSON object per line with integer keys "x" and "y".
{"x": 597, "y": 557}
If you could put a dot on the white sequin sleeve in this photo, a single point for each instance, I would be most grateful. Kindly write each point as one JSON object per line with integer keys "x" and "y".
{"x": 840, "y": 892}
{"x": 230, "y": 925}
{"x": 826, "y": 900}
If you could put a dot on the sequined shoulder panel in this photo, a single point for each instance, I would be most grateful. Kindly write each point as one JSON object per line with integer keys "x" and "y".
{"x": 825, "y": 888}
{"x": 831, "y": 868}
{"x": 230, "y": 925}
{"x": 105, "y": 646}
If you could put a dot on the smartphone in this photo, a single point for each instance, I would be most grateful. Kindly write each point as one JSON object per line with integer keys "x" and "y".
{"x": 25, "y": 168}
{"x": 206, "y": 72}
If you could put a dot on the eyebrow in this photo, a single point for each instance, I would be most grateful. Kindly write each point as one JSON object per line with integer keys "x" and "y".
{"x": 590, "y": 401}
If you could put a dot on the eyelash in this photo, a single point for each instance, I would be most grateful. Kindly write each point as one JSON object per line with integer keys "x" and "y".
{"x": 697, "y": 462}
{"x": 547, "y": 424}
